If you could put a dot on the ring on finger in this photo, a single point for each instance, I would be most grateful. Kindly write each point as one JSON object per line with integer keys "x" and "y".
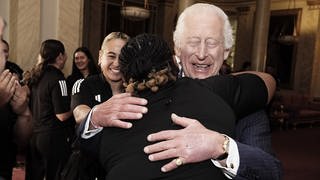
{"x": 178, "y": 161}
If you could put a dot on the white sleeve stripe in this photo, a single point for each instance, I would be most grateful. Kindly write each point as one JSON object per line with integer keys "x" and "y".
{"x": 63, "y": 88}
{"x": 76, "y": 86}
{"x": 79, "y": 84}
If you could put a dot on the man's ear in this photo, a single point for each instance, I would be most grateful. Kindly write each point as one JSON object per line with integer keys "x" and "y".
{"x": 176, "y": 60}
{"x": 100, "y": 57}
{"x": 226, "y": 53}
{"x": 177, "y": 51}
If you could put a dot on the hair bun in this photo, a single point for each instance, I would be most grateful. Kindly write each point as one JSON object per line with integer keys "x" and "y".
{"x": 142, "y": 54}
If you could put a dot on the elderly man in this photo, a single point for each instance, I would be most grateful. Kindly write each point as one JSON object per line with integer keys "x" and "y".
{"x": 203, "y": 39}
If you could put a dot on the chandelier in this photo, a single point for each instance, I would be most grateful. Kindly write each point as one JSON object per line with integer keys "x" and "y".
{"x": 135, "y": 13}
{"x": 313, "y": 2}
{"x": 285, "y": 37}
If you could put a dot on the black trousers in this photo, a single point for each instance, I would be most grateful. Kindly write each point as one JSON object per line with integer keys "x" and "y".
{"x": 82, "y": 165}
{"x": 47, "y": 154}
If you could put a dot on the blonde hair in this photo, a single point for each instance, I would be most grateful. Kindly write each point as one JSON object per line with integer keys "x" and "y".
{"x": 114, "y": 35}
{"x": 203, "y": 8}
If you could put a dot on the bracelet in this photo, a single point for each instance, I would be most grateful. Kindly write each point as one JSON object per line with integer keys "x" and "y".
{"x": 225, "y": 147}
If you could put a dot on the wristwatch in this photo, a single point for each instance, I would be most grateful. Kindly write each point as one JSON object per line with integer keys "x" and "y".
{"x": 225, "y": 147}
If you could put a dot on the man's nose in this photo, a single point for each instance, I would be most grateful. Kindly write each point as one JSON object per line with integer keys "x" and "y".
{"x": 202, "y": 51}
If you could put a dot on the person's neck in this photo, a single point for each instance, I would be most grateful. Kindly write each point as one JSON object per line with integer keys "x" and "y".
{"x": 84, "y": 72}
{"x": 115, "y": 87}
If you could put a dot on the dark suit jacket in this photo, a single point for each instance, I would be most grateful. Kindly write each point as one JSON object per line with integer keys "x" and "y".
{"x": 253, "y": 138}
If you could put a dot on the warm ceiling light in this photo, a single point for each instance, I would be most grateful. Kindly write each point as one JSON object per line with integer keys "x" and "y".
{"x": 135, "y": 13}
{"x": 313, "y": 2}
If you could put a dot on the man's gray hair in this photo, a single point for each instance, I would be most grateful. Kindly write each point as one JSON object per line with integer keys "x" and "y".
{"x": 193, "y": 11}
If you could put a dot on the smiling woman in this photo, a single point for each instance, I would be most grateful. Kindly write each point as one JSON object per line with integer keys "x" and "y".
{"x": 108, "y": 60}
{"x": 83, "y": 65}
{"x": 93, "y": 91}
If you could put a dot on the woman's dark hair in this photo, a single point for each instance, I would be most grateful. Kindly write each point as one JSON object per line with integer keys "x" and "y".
{"x": 49, "y": 51}
{"x": 93, "y": 69}
{"x": 146, "y": 58}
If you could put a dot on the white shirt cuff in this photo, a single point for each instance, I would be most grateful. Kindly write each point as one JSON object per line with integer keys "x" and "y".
{"x": 232, "y": 162}
{"x": 86, "y": 134}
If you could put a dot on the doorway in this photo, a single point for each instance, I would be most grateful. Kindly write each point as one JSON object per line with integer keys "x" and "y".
{"x": 282, "y": 45}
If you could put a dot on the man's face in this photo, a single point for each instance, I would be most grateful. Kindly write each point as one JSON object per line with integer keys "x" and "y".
{"x": 6, "y": 51}
{"x": 202, "y": 49}
{"x": 109, "y": 60}
{"x": 2, "y": 46}
{"x": 2, "y": 57}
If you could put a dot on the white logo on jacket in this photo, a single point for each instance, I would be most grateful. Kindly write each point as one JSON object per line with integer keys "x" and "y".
{"x": 97, "y": 97}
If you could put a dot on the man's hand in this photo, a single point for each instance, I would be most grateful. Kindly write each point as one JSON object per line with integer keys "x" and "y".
{"x": 121, "y": 106}
{"x": 20, "y": 99}
{"x": 7, "y": 86}
{"x": 193, "y": 143}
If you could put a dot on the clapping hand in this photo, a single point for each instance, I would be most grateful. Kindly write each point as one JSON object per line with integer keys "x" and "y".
{"x": 20, "y": 99}
{"x": 7, "y": 86}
